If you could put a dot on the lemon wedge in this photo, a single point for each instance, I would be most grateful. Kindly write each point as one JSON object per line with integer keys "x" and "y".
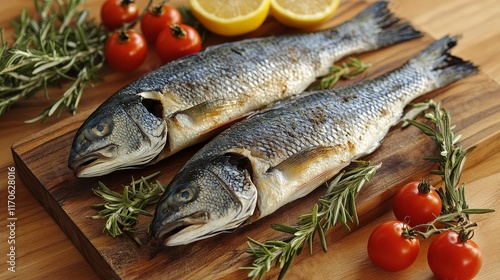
{"x": 303, "y": 14}
{"x": 230, "y": 17}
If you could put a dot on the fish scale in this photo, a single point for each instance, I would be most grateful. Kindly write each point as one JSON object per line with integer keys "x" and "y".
{"x": 283, "y": 153}
{"x": 192, "y": 99}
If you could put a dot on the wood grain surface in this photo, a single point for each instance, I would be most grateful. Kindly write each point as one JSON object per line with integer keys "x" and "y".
{"x": 44, "y": 251}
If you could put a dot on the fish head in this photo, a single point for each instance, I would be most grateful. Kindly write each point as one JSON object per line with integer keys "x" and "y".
{"x": 204, "y": 199}
{"x": 124, "y": 132}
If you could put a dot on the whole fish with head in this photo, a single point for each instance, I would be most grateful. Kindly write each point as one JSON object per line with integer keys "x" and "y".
{"x": 191, "y": 99}
{"x": 284, "y": 152}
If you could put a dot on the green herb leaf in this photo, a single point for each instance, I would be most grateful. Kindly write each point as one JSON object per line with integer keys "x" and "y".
{"x": 451, "y": 159}
{"x": 348, "y": 70}
{"x": 337, "y": 203}
{"x": 57, "y": 44}
{"x": 121, "y": 211}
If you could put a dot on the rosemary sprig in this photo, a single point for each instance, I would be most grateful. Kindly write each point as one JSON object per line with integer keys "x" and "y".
{"x": 336, "y": 205}
{"x": 58, "y": 43}
{"x": 451, "y": 159}
{"x": 347, "y": 70}
{"x": 121, "y": 211}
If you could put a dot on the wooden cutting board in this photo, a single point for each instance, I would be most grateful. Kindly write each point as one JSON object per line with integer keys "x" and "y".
{"x": 41, "y": 159}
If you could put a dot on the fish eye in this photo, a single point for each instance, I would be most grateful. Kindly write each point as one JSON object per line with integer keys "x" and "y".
{"x": 184, "y": 195}
{"x": 101, "y": 129}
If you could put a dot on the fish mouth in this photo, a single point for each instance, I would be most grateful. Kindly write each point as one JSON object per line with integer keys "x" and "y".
{"x": 170, "y": 230}
{"x": 89, "y": 161}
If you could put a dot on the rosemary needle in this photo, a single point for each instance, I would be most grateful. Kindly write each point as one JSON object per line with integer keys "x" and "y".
{"x": 347, "y": 70}
{"x": 336, "y": 205}
{"x": 121, "y": 210}
{"x": 451, "y": 159}
{"x": 57, "y": 44}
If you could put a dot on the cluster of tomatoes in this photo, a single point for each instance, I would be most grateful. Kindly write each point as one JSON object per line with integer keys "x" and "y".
{"x": 162, "y": 26}
{"x": 394, "y": 245}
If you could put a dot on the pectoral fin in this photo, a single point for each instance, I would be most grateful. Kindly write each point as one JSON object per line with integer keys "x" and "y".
{"x": 200, "y": 122}
{"x": 300, "y": 162}
{"x": 205, "y": 119}
{"x": 208, "y": 110}
{"x": 297, "y": 176}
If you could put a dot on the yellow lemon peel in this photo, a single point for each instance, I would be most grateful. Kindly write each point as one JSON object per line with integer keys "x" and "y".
{"x": 303, "y": 14}
{"x": 230, "y": 18}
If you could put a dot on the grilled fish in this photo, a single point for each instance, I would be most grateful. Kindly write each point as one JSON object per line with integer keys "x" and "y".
{"x": 191, "y": 99}
{"x": 284, "y": 152}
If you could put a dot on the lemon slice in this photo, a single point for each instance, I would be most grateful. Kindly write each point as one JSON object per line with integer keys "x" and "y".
{"x": 302, "y": 14}
{"x": 230, "y": 17}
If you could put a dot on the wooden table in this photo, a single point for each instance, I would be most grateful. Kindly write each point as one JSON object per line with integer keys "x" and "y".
{"x": 44, "y": 251}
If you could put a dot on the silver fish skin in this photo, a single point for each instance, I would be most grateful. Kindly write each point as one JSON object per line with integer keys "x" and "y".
{"x": 191, "y": 99}
{"x": 283, "y": 153}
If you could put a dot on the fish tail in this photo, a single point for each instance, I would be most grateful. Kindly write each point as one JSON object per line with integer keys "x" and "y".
{"x": 445, "y": 67}
{"x": 396, "y": 34}
{"x": 384, "y": 20}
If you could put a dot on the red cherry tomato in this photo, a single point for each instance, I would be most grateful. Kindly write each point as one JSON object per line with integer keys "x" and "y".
{"x": 390, "y": 249}
{"x": 159, "y": 18}
{"x": 451, "y": 258}
{"x": 177, "y": 41}
{"x": 114, "y": 13}
{"x": 125, "y": 51}
{"x": 417, "y": 203}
